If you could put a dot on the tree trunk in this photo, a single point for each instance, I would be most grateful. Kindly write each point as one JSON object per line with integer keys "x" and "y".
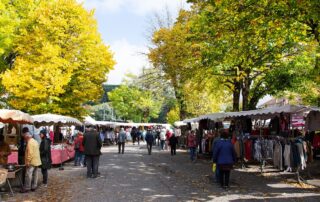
{"x": 182, "y": 104}
{"x": 246, "y": 92}
{"x": 236, "y": 96}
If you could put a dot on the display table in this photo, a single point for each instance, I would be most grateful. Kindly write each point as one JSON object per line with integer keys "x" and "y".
{"x": 59, "y": 154}
{"x": 13, "y": 175}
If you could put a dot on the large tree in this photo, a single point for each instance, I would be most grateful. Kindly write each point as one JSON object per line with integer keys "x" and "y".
{"x": 246, "y": 44}
{"x": 60, "y": 60}
{"x": 131, "y": 103}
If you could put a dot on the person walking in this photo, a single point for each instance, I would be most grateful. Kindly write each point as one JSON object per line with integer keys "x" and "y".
{"x": 224, "y": 156}
{"x": 122, "y": 140}
{"x": 45, "y": 156}
{"x": 92, "y": 145}
{"x": 192, "y": 145}
{"x": 149, "y": 140}
{"x": 173, "y": 141}
{"x": 162, "y": 138}
{"x": 32, "y": 162}
{"x": 79, "y": 149}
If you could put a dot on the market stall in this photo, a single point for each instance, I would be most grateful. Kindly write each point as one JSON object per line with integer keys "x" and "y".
{"x": 13, "y": 119}
{"x": 274, "y": 135}
{"x": 62, "y": 150}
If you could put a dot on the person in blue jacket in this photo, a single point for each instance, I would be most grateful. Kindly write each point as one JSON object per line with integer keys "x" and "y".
{"x": 224, "y": 156}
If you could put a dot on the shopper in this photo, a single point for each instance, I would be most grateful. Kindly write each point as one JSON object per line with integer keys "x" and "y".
{"x": 32, "y": 162}
{"x": 192, "y": 145}
{"x": 149, "y": 140}
{"x": 92, "y": 145}
{"x": 45, "y": 156}
{"x": 122, "y": 140}
{"x": 224, "y": 156}
{"x": 79, "y": 150}
{"x": 162, "y": 138}
{"x": 173, "y": 141}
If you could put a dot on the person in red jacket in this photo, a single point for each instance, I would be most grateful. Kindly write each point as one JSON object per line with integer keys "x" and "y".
{"x": 79, "y": 149}
{"x": 192, "y": 145}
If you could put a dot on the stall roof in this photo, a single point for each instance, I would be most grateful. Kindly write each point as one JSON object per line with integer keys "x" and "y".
{"x": 14, "y": 116}
{"x": 269, "y": 112}
{"x": 192, "y": 120}
{"x": 179, "y": 123}
{"x": 264, "y": 113}
{"x": 51, "y": 119}
{"x": 88, "y": 120}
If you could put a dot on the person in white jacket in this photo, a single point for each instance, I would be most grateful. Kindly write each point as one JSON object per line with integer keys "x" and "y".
{"x": 162, "y": 138}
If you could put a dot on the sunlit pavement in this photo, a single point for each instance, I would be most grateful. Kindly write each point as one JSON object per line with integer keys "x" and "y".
{"x": 137, "y": 176}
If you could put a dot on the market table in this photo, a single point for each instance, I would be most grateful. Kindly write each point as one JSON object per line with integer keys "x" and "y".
{"x": 13, "y": 175}
{"x": 58, "y": 155}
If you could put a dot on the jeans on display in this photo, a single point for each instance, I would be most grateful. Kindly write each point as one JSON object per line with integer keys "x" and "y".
{"x": 192, "y": 153}
{"x": 44, "y": 172}
{"x": 92, "y": 165}
{"x": 31, "y": 180}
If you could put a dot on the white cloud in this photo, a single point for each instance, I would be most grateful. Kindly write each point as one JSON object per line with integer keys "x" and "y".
{"x": 129, "y": 60}
{"x": 139, "y": 7}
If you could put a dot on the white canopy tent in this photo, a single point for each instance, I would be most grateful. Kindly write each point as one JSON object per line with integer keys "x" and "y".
{"x": 14, "y": 116}
{"x": 55, "y": 119}
{"x": 265, "y": 113}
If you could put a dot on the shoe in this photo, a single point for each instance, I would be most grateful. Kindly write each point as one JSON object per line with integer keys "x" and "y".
{"x": 33, "y": 189}
{"x": 24, "y": 191}
{"x": 94, "y": 176}
{"x": 45, "y": 185}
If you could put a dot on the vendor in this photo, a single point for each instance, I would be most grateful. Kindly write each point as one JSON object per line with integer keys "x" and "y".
{"x": 5, "y": 151}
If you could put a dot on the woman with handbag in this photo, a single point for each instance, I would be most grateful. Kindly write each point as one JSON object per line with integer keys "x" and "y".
{"x": 224, "y": 156}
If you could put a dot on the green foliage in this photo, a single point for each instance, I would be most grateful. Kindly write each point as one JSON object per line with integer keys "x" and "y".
{"x": 175, "y": 56}
{"x": 134, "y": 104}
{"x": 173, "y": 115}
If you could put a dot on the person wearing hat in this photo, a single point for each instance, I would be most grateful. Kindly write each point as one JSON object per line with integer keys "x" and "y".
{"x": 149, "y": 140}
{"x": 45, "y": 156}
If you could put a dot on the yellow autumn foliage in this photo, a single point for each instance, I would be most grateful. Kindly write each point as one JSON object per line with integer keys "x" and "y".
{"x": 61, "y": 60}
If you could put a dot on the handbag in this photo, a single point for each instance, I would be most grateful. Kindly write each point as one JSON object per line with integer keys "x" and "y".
{"x": 214, "y": 167}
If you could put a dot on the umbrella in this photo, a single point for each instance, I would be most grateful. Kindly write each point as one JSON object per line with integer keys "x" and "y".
{"x": 14, "y": 116}
{"x": 54, "y": 119}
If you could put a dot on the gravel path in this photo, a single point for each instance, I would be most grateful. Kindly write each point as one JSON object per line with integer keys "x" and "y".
{"x": 136, "y": 176}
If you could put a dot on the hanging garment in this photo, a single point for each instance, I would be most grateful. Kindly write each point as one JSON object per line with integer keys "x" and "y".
{"x": 295, "y": 154}
{"x": 257, "y": 151}
{"x": 309, "y": 153}
{"x": 301, "y": 154}
{"x": 287, "y": 155}
{"x": 277, "y": 156}
{"x": 316, "y": 141}
{"x": 248, "y": 149}
{"x": 237, "y": 148}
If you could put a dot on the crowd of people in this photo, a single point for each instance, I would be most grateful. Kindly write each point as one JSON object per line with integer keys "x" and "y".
{"x": 88, "y": 146}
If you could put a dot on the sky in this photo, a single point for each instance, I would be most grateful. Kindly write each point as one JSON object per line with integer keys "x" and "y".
{"x": 124, "y": 26}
